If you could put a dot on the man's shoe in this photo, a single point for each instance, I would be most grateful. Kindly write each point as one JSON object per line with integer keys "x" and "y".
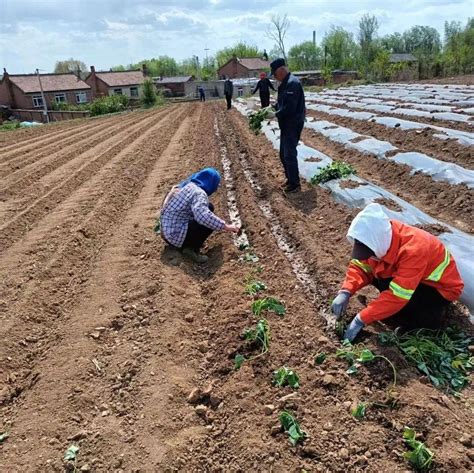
{"x": 292, "y": 189}
{"x": 195, "y": 256}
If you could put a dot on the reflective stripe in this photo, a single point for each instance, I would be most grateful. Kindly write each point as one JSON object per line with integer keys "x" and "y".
{"x": 365, "y": 267}
{"x": 439, "y": 270}
{"x": 401, "y": 292}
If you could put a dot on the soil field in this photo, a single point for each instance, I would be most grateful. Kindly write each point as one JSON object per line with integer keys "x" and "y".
{"x": 116, "y": 344}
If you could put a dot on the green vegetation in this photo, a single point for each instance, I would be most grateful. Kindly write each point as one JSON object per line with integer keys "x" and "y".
{"x": 268, "y": 303}
{"x": 359, "y": 411}
{"x": 256, "y": 119}
{"x": 9, "y": 125}
{"x": 335, "y": 170}
{"x": 4, "y": 436}
{"x": 252, "y": 288}
{"x": 148, "y": 93}
{"x": 259, "y": 336}
{"x": 109, "y": 104}
{"x": 71, "y": 453}
{"x": 320, "y": 358}
{"x": 292, "y": 427}
{"x": 443, "y": 356}
{"x": 419, "y": 456}
{"x": 286, "y": 377}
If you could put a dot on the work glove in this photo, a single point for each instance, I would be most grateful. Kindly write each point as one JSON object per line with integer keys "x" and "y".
{"x": 354, "y": 328}
{"x": 339, "y": 304}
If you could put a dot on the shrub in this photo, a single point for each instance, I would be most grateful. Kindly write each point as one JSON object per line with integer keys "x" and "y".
{"x": 148, "y": 93}
{"x": 109, "y": 104}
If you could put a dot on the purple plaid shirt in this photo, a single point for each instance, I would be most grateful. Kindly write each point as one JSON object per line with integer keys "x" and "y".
{"x": 181, "y": 206}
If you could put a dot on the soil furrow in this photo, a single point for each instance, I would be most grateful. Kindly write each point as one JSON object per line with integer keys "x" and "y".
{"x": 407, "y": 140}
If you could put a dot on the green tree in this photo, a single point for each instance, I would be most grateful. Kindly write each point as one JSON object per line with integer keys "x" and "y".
{"x": 148, "y": 93}
{"x": 71, "y": 65}
{"x": 368, "y": 27}
{"x": 240, "y": 49}
{"x": 394, "y": 43}
{"x": 304, "y": 56}
{"x": 458, "y": 55}
{"x": 424, "y": 42}
{"x": 342, "y": 51}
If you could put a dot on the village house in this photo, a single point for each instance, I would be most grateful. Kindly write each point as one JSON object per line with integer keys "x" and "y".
{"x": 408, "y": 67}
{"x": 23, "y": 91}
{"x": 242, "y": 68}
{"x": 116, "y": 82}
{"x": 176, "y": 86}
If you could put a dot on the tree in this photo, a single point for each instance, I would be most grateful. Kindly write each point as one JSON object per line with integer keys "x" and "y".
{"x": 393, "y": 43}
{"x": 148, "y": 93}
{"x": 341, "y": 49}
{"x": 71, "y": 65}
{"x": 368, "y": 26}
{"x": 277, "y": 32}
{"x": 304, "y": 56}
{"x": 423, "y": 42}
{"x": 458, "y": 57}
{"x": 240, "y": 49}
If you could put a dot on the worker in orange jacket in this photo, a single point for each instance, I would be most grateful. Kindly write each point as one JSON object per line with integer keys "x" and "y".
{"x": 416, "y": 275}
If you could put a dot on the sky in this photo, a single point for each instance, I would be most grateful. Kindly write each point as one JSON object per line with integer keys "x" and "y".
{"x": 37, "y": 33}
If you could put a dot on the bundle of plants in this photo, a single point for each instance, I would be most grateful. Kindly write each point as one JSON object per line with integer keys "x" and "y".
{"x": 256, "y": 119}
{"x": 335, "y": 170}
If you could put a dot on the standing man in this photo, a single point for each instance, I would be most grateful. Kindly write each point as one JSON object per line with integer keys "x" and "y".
{"x": 264, "y": 85}
{"x": 290, "y": 113}
{"x": 228, "y": 92}
{"x": 202, "y": 94}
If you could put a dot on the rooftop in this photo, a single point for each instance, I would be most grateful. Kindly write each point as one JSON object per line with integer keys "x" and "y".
{"x": 121, "y": 78}
{"x": 29, "y": 83}
{"x": 172, "y": 79}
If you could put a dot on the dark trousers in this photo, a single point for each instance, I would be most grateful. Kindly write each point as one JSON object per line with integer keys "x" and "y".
{"x": 425, "y": 309}
{"x": 228, "y": 99}
{"x": 202, "y": 98}
{"x": 289, "y": 138}
{"x": 265, "y": 100}
{"x": 197, "y": 234}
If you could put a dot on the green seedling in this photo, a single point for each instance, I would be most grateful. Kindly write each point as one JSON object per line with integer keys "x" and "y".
{"x": 335, "y": 170}
{"x": 243, "y": 246}
{"x": 340, "y": 328}
{"x": 443, "y": 356}
{"x": 268, "y": 303}
{"x": 259, "y": 335}
{"x": 286, "y": 377}
{"x": 292, "y": 427}
{"x": 71, "y": 453}
{"x": 357, "y": 355}
{"x": 250, "y": 257}
{"x": 238, "y": 361}
{"x": 320, "y": 358}
{"x": 359, "y": 411}
{"x": 157, "y": 227}
{"x": 256, "y": 119}
{"x": 4, "y": 436}
{"x": 254, "y": 287}
{"x": 420, "y": 457}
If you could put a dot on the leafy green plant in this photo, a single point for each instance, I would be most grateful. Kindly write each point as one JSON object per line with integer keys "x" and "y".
{"x": 286, "y": 377}
{"x": 243, "y": 246}
{"x": 238, "y": 361}
{"x": 109, "y": 104}
{"x": 250, "y": 257}
{"x": 256, "y": 119}
{"x": 71, "y": 453}
{"x": 4, "y": 436}
{"x": 259, "y": 335}
{"x": 268, "y": 303}
{"x": 335, "y": 170}
{"x": 148, "y": 93}
{"x": 9, "y": 125}
{"x": 320, "y": 358}
{"x": 359, "y": 411}
{"x": 443, "y": 356}
{"x": 357, "y": 355}
{"x": 292, "y": 427}
{"x": 254, "y": 287}
{"x": 420, "y": 457}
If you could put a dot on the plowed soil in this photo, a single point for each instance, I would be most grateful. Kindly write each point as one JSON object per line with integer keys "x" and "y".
{"x": 106, "y": 333}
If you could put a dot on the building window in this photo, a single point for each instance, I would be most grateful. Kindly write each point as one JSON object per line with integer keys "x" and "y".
{"x": 37, "y": 101}
{"x": 81, "y": 97}
{"x": 60, "y": 98}
{"x": 240, "y": 92}
{"x": 133, "y": 91}
{"x": 117, "y": 91}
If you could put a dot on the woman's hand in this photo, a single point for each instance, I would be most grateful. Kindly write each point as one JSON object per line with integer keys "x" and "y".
{"x": 231, "y": 228}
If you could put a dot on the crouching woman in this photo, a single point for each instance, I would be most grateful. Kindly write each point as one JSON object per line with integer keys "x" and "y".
{"x": 187, "y": 217}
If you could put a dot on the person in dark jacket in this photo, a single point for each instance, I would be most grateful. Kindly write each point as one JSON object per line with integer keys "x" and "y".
{"x": 228, "y": 92}
{"x": 264, "y": 85}
{"x": 202, "y": 94}
{"x": 290, "y": 113}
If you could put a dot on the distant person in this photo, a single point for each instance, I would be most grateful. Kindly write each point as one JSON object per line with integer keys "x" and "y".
{"x": 414, "y": 272}
{"x": 187, "y": 217}
{"x": 228, "y": 92}
{"x": 291, "y": 116}
{"x": 202, "y": 94}
{"x": 264, "y": 85}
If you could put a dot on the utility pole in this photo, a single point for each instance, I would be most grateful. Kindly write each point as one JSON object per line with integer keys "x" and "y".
{"x": 314, "y": 38}
{"x": 45, "y": 107}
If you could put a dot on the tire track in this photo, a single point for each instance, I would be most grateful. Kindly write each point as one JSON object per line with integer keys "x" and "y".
{"x": 80, "y": 242}
{"x": 17, "y": 181}
{"x": 21, "y": 223}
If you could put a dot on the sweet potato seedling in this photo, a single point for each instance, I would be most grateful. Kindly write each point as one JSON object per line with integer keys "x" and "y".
{"x": 286, "y": 377}
{"x": 292, "y": 427}
{"x": 268, "y": 303}
{"x": 420, "y": 457}
{"x": 260, "y": 336}
{"x": 320, "y": 358}
{"x": 335, "y": 170}
{"x": 254, "y": 287}
{"x": 359, "y": 411}
{"x": 256, "y": 119}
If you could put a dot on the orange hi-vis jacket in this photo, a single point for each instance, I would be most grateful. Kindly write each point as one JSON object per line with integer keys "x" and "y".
{"x": 414, "y": 257}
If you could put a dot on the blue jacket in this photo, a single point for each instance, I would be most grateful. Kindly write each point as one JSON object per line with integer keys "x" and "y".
{"x": 291, "y": 105}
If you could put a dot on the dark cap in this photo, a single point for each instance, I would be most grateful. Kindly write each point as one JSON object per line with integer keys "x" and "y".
{"x": 274, "y": 65}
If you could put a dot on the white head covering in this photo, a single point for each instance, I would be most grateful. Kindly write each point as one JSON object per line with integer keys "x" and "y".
{"x": 372, "y": 227}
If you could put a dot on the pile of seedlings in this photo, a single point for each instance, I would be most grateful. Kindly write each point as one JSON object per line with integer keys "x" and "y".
{"x": 335, "y": 170}
{"x": 256, "y": 119}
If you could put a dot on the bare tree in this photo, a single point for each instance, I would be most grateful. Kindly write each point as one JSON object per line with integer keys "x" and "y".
{"x": 277, "y": 32}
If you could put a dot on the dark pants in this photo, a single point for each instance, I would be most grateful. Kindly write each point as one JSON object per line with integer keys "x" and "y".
{"x": 425, "y": 309}
{"x": 197, "y": 234}
{"x": 265, "y": 100}
{"x": 202, "y": 98}
{"x": 228, "y": 99}
{"x": 289, "y": 138}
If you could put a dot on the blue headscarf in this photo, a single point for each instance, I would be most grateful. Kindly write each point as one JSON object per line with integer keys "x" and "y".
{"x": 207, "y": 179}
